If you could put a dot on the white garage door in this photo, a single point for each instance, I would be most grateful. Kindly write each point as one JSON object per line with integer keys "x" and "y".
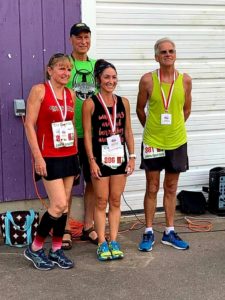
{"x": 124, "y": 32}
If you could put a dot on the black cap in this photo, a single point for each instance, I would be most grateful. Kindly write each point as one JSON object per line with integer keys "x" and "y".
{"x": 78, "y": 28}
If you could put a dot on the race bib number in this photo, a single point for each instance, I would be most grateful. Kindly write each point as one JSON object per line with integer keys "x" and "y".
{"x": 63, "y": 134}
{"x": 150, "y": 152}
{"x": 112, "y": 158}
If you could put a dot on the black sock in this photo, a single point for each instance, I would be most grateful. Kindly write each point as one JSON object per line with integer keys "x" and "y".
{"x": 47, "y": 223}
{"x": 59, "y": 226}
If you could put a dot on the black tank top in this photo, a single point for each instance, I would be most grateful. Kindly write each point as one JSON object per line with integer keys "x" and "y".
{"x": 101, "y": 128}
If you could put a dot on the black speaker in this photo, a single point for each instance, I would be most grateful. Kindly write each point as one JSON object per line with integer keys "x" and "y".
{"x": 216, "y": 200}
{"x": 192, "y": 202}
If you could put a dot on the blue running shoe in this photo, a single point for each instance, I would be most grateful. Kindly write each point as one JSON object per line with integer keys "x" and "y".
{"x": 115, "y": 250}
{"x": 147, "y": 242}
{"x": 172, "y": 239}
{"x": 39, "y": 259}
{"x": 58, "y": 257}
{"x": 103, "y": 252}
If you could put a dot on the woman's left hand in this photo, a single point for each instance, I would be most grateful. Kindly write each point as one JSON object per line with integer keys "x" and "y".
{"x": 130, "y": 166}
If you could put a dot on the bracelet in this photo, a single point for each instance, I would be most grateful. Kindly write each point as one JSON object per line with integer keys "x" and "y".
{"x": 91, "y": 158}
{"x": 132, "y": 156}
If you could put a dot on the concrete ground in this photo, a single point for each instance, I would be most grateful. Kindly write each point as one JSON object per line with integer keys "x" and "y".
{"x": 164, "y": 273}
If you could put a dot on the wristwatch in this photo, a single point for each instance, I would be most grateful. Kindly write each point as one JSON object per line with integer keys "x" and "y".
{"x": 132, "y": 155}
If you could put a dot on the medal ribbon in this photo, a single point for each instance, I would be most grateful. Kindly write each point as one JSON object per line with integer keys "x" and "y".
{"x": 112, "y": 121}
{"x": 63, "y": 115}
{"x": 167, "y": 101}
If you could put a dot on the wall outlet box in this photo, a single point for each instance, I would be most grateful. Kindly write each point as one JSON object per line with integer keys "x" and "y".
{"x": 19, "y": 107}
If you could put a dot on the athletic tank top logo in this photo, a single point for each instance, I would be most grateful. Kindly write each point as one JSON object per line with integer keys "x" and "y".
{"x": 84, "y": 82}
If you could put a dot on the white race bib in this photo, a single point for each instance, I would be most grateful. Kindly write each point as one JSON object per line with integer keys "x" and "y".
{"x": 112, "y": 158}
{"x": 63, "y": 134}
{"x": 150, "y": 152}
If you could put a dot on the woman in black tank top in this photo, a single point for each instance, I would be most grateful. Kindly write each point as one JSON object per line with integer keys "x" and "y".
{"x": 107, "y": 136}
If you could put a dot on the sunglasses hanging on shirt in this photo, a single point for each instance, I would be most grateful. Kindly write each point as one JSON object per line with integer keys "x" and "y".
{"x": 83, "y": 81}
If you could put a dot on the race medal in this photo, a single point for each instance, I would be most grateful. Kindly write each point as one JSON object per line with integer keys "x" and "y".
{"x": 112, "y": 158}
{"x": 166, "y": 119}
{"x": 114, "y": 142}
{"x": 63, "y": 134}
{"x": 151, "y": 152}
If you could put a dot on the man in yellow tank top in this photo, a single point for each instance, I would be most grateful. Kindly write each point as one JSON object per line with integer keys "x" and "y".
{"x": 168, "y": 96}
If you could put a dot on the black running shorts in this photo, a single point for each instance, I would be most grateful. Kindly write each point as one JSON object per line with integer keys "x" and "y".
{"x": 174, "y": 161}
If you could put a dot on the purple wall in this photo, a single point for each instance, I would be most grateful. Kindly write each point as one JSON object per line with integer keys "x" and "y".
{"x": 30, "y": 32}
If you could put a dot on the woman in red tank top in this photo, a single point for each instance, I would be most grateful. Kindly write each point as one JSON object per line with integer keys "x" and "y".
{"x": 52, "y": 138}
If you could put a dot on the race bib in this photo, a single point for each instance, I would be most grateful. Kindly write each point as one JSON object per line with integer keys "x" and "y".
{"x": 63, "y": 134}
{"x": 150, "y": 152}
{"x": 112, "y": 158}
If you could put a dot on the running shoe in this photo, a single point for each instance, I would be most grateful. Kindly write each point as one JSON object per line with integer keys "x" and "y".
{"x": 147, "y": 242}
{"x": 39, "y": 259}
{"x": 58, "y": 258}
{"x": 115, "y": 250}
{"x": 103, "y": 252}
{"x": 172, "y": 239}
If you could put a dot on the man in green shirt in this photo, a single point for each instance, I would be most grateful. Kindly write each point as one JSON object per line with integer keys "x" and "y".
{"x": 83, "y": 83}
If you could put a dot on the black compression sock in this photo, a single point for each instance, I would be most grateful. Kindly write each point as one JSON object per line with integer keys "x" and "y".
{"x": 46, "y": 224}
{"x": 59, "y": 226}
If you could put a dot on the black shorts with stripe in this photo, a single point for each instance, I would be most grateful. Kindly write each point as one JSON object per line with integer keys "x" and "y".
{"x": 174, "y": 161}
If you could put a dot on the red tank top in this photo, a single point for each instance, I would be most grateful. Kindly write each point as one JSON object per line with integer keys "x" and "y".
{"x": 48, "y": 114}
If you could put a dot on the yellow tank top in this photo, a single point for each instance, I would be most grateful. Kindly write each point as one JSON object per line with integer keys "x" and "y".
{"x": 166, "y": 137}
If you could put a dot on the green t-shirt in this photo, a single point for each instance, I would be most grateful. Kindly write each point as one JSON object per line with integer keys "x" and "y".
{"x": 82, "y": 81}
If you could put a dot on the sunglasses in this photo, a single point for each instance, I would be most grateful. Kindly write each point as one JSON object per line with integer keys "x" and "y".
{"x": 164, "y": 52}
{"x": 57, "y": 56}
